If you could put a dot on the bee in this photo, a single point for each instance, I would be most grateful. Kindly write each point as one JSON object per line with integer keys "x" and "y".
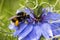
{"x": 19, "y": 18}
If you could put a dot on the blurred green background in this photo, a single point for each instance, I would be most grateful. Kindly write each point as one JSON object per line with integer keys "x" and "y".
{"x": 8, "y": 8}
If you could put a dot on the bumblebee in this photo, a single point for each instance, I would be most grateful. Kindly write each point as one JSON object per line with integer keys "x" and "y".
{"x": 22, "y": 15}
{"x": 19, "y": 18}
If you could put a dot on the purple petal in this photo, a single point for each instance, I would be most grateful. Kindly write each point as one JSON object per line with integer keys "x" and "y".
{"x": 51, "y": 16}
{"x": 46, "y": 30}
{"x": 20, "y": 29}
{"x": 55, "y": 28}
{"x": 26, "y": 31}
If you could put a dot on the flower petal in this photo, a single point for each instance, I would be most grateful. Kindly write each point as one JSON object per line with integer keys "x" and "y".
{"x": 32, "y": 35}
{"x": 35, "y": 33}
{"x": 55, "y": 28}
{"x": 37, "y": 28}
{"x": 46, "y": 30}
{"x": 20, "y": 29}
{"x": 26, "y": 31}
{"x": 51, "y": 16}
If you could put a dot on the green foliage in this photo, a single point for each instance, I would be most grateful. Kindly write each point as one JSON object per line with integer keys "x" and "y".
{"x": 8, "y": 8}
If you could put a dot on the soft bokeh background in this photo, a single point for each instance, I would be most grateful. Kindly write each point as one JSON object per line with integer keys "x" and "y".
{"x": 8, "y": 8}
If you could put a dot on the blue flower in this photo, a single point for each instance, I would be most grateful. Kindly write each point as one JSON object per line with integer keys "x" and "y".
{"x": 33, "y": 30}
{"x": 54, "y": 21}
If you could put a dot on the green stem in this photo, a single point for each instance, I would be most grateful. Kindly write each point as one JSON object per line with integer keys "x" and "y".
{"x": 45, "y": 3}
{"x": 1, "y": 6}
{"x": 55, "y": 3}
